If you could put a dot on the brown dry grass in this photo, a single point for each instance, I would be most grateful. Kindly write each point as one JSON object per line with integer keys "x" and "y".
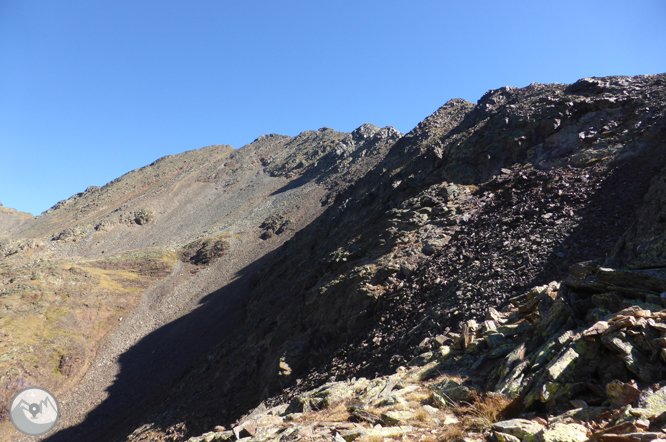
{"x": 417, "y": 397}
{"x": 338, "y": 413}
{"x": 481, "y": 412}
{"x": 452, "y": 433}
{"x": 422, "y": 416}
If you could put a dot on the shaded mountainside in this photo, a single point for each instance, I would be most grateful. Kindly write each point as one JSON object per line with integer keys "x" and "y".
{"x": 287, "y": 273}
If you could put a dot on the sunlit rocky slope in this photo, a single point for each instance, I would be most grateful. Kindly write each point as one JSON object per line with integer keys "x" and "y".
{"x": 495, "y": 273}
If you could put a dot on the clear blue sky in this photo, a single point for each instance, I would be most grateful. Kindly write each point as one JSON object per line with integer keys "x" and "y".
{"x": 90, "y": 90}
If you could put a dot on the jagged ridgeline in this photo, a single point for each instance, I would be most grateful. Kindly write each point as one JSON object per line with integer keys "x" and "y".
{"x": 498, "y": 272}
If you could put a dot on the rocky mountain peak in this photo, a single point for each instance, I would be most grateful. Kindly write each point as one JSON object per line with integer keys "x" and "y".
{"x": 364, "y": 132}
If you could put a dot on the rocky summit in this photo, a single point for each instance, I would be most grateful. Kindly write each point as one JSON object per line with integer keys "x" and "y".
{"x": 498, "y": 273}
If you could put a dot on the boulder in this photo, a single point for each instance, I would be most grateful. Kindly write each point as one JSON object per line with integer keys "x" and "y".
{"x": 143, "y": 216}
{"x": 566, "y": 374}
{"x": 502, "y": 350}
{"x": 494, "y": 340}
{"x": 551, "y": 348}
{"x": 635, "y": 361}
{"x": 621, "y": 393}
{"x": 421, "y": 360}
{"x": 513, "y": 383}
{"x": 384, "y": 432}
{"x": 561, "y": 432}
{"x": 652, "y": 279}
{"x": 523, "y": 429}
{"x": 653, "y": 401}
{"x": 585, "y": 414}
{"x": 555, "y": 318}
{"x": 449, "y": 392}
{"x": 353, "y": 434}
{"x": 504, "y": 437}
{"x": 596, "y": 330}
{"x": 397, "y": 417}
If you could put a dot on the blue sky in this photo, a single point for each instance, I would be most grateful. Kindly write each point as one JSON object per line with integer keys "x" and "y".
{"x": 90, "y": 90}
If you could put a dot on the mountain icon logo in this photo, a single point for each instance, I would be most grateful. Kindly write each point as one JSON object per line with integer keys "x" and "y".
{"x": 34, "y": 411}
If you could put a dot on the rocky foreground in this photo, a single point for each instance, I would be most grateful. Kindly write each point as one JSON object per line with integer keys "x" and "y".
{"x": 582, "y": 359}
{"x": 498, "y": 273}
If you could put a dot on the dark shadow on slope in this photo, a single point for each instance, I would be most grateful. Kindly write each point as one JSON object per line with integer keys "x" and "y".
{"x": 298, "y": 182}
{"x": 611, "y": 211}
{"x": 161, "y": 357}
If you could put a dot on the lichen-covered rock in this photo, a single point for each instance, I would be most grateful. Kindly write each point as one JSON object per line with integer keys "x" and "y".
{"x": 383, "y": 432}
{"x": 397, "y": 417}
{"x": 448, "y": 393}
{"x": 565, "y": 375}
{"x": 621, "y": 393}
{"x": 556, "y": 317}
{"x": 523, "y": 429}
{"x": 421, "y": 359}
{"x": 635, "y": 361}
{"x": 560, "y": 432}
{"x": 653, "y": 401}
{"x": 353, "y": 434}
{"x": 204, "y": 251}
{"x": 585, "y": 414}
{"x": 513, "y": 384}
{"x": 504, "y": 437}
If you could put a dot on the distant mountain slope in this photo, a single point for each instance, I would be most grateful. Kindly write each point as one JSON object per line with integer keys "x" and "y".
{"x": 11, "y": 219}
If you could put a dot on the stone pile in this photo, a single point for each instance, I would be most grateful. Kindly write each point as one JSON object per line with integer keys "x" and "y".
{"x": 391, "y": 407}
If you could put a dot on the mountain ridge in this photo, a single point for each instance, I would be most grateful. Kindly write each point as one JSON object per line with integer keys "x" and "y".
{"x": 296, "y": 261}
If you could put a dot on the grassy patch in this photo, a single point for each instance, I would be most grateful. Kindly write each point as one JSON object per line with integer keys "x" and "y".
{"x": 60, "y": 309}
